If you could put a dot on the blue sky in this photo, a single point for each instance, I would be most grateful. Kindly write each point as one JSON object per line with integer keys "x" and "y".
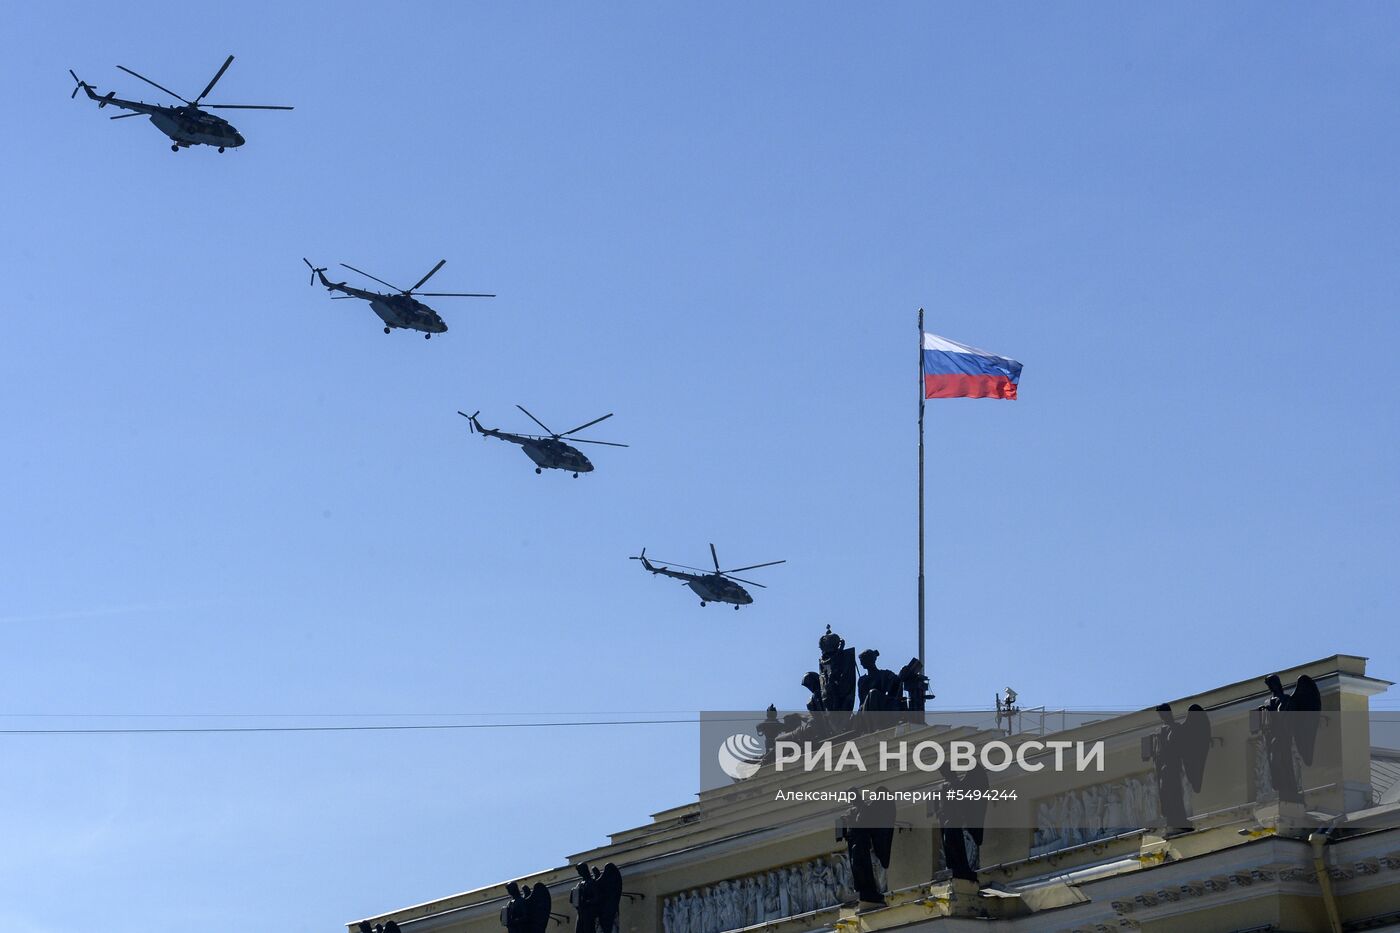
{"x": 229, "y": 501}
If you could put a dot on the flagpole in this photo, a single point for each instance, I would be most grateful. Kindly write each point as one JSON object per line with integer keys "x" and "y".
{"x": 922, "y": 662}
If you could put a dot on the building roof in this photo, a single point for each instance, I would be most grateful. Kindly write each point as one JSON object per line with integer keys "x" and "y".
{"x": 1233, "y": 855}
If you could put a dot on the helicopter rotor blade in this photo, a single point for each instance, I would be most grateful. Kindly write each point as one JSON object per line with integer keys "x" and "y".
{"x": 537, "y": 421}
{"x": 78, "y": 84}
{"x": 247, "y": 107}
{"x": 471, "y": 419}
{"x": 715, "y": 556}
{"x": 670, "y": 566}
{"x": 152, "y": 83}
{"x": 454, "y": 295}
{"x": 742, "y": 580}
{"x": 666, "y": 564}
{"x": 368, "y": 276}
{"x": 581, "y": 440}
{"x": 215, "y": 80}
{"x": 123, "y": 116}
{"x": 431, "y": 273}
{"x": 754, "y": 566}
{"x": 341, "y": 297}
{"x": 588, "y": 425}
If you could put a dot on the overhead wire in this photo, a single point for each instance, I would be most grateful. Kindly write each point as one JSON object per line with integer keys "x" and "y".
{"x": 359, "y": 727}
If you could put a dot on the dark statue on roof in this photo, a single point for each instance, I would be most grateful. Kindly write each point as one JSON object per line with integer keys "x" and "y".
{"x": 528, "y": 910}
{"x": 1289, "y": 722}
{"x": 962, "y": 817}
{"x": 880, "y": 690}
{"x": 596, "y": 897}
{"x": 388, "y": 926}
{"x": 796, "y": 728}
{"x": 813, "y": 682}
{"x": 911, "y": 677}
{"x": 1178, "y": 750}
{"x": 838, "y": 673}
{"x": 868, "y": 831}
{"x": 769, "y": 730}
{"x": 584, "y": 898}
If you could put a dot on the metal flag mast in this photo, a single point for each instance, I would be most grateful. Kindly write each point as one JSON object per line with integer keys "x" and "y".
{"x": 954, "y": 370}
{"x": 922, "y": 661}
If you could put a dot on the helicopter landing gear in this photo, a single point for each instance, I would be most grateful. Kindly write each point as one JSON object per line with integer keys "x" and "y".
{"x": 427, "y": 336}
{"x": 387, "y": 329}
{"x": 538, "y": 470}
{"x": 575, "y": 476}
{"x": 703, "y": 604}
{"x": 174, "y": 147}
{"x": 221, "y": 148}
{"x": 736, "y": 608}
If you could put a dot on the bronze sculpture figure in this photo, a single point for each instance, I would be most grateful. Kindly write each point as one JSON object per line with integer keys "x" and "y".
{"x": 838, "y": 673}
{"x": 962, "y": 815}
{"x": 1289, "y": 721}
{"x": 1178, "y": 750}
{"x": 868, "y": 830}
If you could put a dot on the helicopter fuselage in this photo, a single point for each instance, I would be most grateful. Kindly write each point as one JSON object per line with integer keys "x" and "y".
{"x": 408, "y": 313}
{"x": 547, "y": 453}
{"x": 710, "y": 587}
{"x": 188, "y": 126}
{"x": 716, "y": 589}
{"x": 402, "y": 311}
{"x": 556, "y": 455}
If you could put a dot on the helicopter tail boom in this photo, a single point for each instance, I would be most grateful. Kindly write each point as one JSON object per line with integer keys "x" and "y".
{"x": 136, "y": 106}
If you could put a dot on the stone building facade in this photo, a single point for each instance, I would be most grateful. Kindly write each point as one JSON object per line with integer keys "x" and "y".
{"x": 1084, "y": 853}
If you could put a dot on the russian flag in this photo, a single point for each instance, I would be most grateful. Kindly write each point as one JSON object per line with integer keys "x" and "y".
{"x": 953, "y": 370}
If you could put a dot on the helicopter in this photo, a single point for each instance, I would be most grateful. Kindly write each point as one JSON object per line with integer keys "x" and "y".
{"x": 186, "y": 125}
{"x": 719, "y": 586}
{"x": 396, "y": 310}
{"x": 549, "y": 451}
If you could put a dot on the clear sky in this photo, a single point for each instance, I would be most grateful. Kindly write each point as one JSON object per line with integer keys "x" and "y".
{"x": 229, "y": 501}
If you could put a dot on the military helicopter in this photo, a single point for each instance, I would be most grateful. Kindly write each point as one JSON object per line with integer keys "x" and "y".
{"x": 550, "y": 452}
{"x": 716, "y": 587}
{"x": 396, "y": 310}
{"x": 188, "y": 125}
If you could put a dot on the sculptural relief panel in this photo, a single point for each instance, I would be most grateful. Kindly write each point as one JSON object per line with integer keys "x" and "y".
{"x": 770, "y": 895}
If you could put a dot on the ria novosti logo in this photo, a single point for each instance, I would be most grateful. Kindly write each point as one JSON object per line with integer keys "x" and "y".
{"x": 740, "y": 755}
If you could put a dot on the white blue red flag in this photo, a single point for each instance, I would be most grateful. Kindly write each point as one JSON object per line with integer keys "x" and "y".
{"x": 953, "y": 370}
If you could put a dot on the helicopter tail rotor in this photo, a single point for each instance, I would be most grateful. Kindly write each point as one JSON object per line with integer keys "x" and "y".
{"x": 80, "y": 84}
{"x": 471, "y": 419}
{"x": 313, "y": 269}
